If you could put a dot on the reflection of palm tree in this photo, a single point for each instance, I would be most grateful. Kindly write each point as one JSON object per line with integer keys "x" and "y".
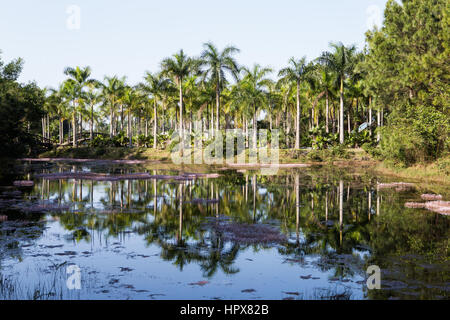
{"x": 177, "y": 227}
{"x": 341, "y": 210}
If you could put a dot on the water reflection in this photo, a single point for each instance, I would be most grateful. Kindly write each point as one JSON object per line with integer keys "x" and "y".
{"x": 328, "y": 218}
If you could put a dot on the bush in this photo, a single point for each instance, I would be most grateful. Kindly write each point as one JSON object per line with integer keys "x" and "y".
{"x": 120, "y": 140}
{"x": 339, "y": 151}
{"x": 315, "y": 156}
{"x": 402, "y": 145}
{"x": 357, "y": 139}
{"x": 320, "y": 139}
{"x": 443, "y": 165}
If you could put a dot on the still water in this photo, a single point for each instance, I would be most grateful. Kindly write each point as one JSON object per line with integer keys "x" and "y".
{"x": 155, "y": 238}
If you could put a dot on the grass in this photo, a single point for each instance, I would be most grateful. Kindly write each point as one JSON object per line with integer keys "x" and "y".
{"x": 435, "y": 172}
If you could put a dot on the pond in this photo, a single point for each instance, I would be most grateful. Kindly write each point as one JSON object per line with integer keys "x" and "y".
{"x": 308, "y": 233}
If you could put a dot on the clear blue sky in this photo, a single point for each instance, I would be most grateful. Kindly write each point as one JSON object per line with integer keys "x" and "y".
{"x": 129, "y": 37}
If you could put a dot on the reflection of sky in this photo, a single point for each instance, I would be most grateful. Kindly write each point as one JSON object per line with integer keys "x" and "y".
{"x": 265, "y": 271}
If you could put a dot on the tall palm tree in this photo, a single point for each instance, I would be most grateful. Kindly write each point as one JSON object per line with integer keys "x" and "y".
{"x": 295, "y": 72}
{"x": 341, "y": 62}
{"x": 80, "y": 78}
{"x": 217, "y": 64}
{"x": 130, "y": 100}
{"x": 326, "y": 81}
{"x": 179, "y": 66}
{"x": 155, "y": 85}
{"x": 59, "y": 100}
{"x": 254, "y": 83}
{"x": 71, "y": 92}
{"x": 111, "y": 92}
{"x": 92, "y": 98}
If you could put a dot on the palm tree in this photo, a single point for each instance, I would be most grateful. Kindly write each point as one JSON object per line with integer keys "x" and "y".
{"x": 341, "y": 62}
{"x": 111, "y": 91}
{"x": 295, "y": 72}
{"x": 130, "y": 100}
{"x": 71, "y": 92}
{"x": 326, "y": 81}
{"x": 80, "y": 78}
{"x": 254, "y": 83}
{"x": 92, "y": 98}
{"x": 179, "y": 66}
{"x": 217, "y": 63}
{"x": 59, "y": 102}
{"x": 155, "y": 84}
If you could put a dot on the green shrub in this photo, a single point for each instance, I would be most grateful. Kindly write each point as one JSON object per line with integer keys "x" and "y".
{"x": 443, "y": 165}
{"x": 315, "y": 155}
{"x": 356, "y": 139}
{"x": 339, "y": 151}
{"x": 402, "y": 145}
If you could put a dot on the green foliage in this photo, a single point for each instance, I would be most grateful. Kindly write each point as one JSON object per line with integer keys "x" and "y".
{"x": 321, "y": 140}
{"x": 315, "y": 156}
{"x": 401, "y": 145}
{"x": 371, "y": 149}
{"x": 339, "y": 151}
{"x": 142, "y": 140}
{"x": 407, "y": 72}
{"x": 417, "y": 134}
{"x": 21, "y": 108}
{"x": 443, "y": 165}
{"x": 120, "y": 140}
{"x": 357, "y": 139}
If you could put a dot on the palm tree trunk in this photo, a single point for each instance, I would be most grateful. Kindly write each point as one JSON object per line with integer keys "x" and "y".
{"x": 91, "y": 132}
{"x": 129, "y": 129}
{"x": 255, "y": 128}
{"x": 60, "y": 131}
{"x": 349, "y": 125}
{"x": 270, "y": 121}
{"x": 146, "y": 124}
{"x": 43, "y": 128}
{"x": 155, "y": 126}
{"x": 297, "y": 134}
{"x": 341, "y": 113}
{"x": 163, "y": 119}
{"x": 81, "y": 127}
{"x": 181, "y": 111}
{"x": 378, "y": 124}
{"x": 111, "y": 122}
{"x": 212, "y": 120}
{"x": 334, "y": 118}
{"x": 217, "y": 107}
{"x": 139, "y": 125}
{"x": 121, "y": 117}
{"x": 48, "y": 126}
{"x": 246, "y": 131}
{"x": 74, "y": 132}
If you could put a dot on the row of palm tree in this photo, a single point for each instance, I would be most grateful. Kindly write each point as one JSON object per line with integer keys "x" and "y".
{"x": 186, "y": 87}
